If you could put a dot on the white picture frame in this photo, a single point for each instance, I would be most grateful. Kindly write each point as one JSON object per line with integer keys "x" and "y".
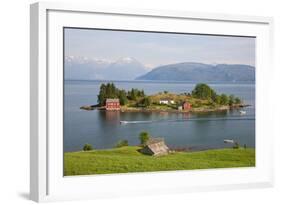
{"x": 47, "y": 182}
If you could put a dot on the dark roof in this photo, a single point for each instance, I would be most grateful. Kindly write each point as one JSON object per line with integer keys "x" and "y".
{"x": 112, "y": 100}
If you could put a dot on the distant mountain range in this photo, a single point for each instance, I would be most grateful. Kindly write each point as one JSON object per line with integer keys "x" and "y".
{"x": 200, "y": 72}
{"x": 130, "y": 69}
{"x": 96, "y": 69}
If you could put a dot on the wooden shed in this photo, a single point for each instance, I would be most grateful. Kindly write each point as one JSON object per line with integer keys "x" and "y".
{"x": 186, "y": 106}
{"x": 155, "y": 147}
{"x": 112, "y": 104}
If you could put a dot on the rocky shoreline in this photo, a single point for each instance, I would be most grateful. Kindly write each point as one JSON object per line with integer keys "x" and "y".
{"x": 193, "y": 110}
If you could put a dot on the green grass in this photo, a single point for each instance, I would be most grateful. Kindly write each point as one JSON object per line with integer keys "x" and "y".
{"x": 128, "y": 159}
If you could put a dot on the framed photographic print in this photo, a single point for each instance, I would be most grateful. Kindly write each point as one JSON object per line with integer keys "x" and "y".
{"x": 123, "y": 97}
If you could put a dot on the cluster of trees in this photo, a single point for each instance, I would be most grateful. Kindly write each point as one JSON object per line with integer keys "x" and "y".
{"x": 135, "y": 93}
{"x": 144, "y": 102}
{"x": 203, "y": 91}
{"x": 109, "y": 90}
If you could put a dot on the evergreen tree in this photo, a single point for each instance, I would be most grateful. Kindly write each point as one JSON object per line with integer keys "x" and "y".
{"x": 102, "y": 95}
{"x": 231, "y": 100}
{"x": 146, "y": 101}
{"x": 123, "y": 97}
{"x": 237, "y": 100}
{"x": 218, "y": 99}
{"x": 224, "y": 99}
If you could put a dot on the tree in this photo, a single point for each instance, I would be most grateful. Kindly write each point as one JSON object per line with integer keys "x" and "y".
{"x": 144, "y": 137}
{"x": 218, "y": 99}
{"x": 213, "y": 96}
{"x": 123, "y": 97}
{"x": 140, "y": 93}
{"x": 231, "y": 100}
{"x": 146, "y": 101}
{"x": 110, "y": 91}
{"x": 122, "y": 143}
{"x": 87, "y": 147}
{"x": 224, "y": 99}
{"x": 203, "y": 91}
{"x": 132, "y": 94}
{"x": 165, "y": 92}
{"x": 102, "y": 95}
{"x": 135, "y": 93}
{"x": 237, "y": 100}
{"x": 107, "y": 91}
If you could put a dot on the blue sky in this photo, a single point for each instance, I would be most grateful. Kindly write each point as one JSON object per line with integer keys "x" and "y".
{"x": 154, "y": 49}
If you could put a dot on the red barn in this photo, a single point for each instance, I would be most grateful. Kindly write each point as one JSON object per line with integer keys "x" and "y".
{"x": 112, "y": 104}
{"x": 186, "y": 106}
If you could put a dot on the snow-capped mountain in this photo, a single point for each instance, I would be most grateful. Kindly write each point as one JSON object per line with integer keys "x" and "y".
{"x": 84, "y": 68}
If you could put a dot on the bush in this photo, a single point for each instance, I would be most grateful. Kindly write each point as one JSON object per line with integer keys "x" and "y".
{"x": 87, "y": 147}
{"x": 236, "y": 145}
{"x": 144, "y": 137}
{"x": 122, "y": 143}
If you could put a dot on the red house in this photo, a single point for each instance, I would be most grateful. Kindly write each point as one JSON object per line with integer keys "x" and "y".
{"x": 112, "y": 104}
{"x": 186, "y": 106}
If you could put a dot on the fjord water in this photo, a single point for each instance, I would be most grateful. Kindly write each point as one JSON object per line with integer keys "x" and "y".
{"x": 196, "y": 131}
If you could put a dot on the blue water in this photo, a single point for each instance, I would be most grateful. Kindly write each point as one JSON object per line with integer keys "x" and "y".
{"x": 196, "y": 131}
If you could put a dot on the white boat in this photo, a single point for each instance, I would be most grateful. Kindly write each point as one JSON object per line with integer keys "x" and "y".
{"x": 228, "y": 141}
{"x": 134, "y": 122}
{"x": 242, "y": 112}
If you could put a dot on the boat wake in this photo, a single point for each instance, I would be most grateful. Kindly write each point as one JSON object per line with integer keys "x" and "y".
{"x": 190, "y": 119}
{"x": 136, "y": 122}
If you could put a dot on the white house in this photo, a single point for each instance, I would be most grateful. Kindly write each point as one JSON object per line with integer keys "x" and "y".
{"x": 164, "y": 101}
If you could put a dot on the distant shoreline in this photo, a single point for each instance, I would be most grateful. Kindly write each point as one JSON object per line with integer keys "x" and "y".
{"x": 163, "y": 81}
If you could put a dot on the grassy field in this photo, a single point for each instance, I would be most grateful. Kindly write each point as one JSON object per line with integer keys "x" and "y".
{"x": 128, "y": 159}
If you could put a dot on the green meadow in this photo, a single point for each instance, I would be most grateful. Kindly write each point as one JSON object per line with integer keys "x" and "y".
{"x": 128, "y": 159}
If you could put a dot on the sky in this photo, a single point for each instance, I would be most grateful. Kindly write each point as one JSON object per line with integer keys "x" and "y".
{"x": 155, "y": 49}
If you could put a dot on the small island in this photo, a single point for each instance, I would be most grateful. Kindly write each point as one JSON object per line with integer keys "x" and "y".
{"x": 202, "y": 99}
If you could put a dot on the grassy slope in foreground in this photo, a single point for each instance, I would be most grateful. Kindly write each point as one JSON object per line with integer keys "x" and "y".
{"x": 128, "y": 159}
